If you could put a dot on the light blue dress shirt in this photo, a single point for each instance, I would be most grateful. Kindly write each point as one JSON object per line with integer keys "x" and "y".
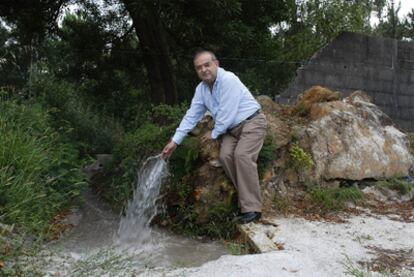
{"x": 229, "y": 102}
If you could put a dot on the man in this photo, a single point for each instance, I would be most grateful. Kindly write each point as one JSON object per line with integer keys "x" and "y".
{"x": 239, "y": 124}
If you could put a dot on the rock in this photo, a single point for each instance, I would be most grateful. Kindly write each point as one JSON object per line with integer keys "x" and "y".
{"x": 315, "y": 94}
{"x": 349, "y": 139}
{"x": 279, "y": 130}
{"x": 215, "y": 163}
{"x": 352, "y": 139}
{"x": 212, "y": 190}
{"x": 260, "y": 235}
{"x": 268, "y": 105}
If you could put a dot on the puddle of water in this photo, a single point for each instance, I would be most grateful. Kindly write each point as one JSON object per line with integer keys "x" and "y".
{"x": 96, "y": 246}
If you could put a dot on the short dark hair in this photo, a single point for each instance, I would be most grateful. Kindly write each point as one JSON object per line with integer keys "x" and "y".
{"x": 202, "y": 51}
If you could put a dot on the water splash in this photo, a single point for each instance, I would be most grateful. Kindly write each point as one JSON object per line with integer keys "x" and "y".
{"x": 135, "y": 224}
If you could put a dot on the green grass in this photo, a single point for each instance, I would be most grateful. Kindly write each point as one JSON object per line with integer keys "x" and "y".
{"x": 38, "y": 170}
{"x": 335, "y": 198}
{"x": 403, "y": 187}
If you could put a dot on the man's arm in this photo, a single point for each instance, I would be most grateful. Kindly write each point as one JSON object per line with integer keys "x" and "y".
{"x": 189, "y": 121}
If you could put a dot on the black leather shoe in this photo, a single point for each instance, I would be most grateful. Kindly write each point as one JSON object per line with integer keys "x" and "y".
{"x": 249, "y": 217}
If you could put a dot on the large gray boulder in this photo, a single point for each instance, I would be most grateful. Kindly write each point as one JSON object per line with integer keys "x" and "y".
{"x": 353, "y": 139}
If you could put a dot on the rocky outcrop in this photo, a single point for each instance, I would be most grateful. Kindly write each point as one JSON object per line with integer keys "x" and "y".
{"x": 353, "y": 139}
{"x": 321, "y": 139}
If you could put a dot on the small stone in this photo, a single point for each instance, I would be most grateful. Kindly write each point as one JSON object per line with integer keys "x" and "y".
{"x": 215, "y": 163}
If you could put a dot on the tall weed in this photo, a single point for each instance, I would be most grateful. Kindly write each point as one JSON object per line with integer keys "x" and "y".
{"x": 38, "y": 172}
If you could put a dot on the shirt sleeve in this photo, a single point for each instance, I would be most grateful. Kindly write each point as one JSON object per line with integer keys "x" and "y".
{"x": 230, "y": 94}
{"x": 193, "y": 115}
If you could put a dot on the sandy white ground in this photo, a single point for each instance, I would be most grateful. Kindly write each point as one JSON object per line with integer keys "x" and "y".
{"x": 312, "y": 248}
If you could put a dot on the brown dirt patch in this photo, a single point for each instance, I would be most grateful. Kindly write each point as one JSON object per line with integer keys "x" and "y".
{"x": 390, "y": 260}
{"x": 403, "y": 211}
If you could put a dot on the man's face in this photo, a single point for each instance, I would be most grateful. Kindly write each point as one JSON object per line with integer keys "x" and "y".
{"x": 206, "y": 67}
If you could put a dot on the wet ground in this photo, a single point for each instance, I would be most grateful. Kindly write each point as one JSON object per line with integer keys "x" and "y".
{"x": 92, "y": 247}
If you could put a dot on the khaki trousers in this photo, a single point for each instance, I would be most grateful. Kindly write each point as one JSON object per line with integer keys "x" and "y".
{"x": 239, "y": 150}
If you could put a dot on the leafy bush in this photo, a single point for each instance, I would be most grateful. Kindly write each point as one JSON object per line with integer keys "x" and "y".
{"x": 38, "y": 172}
{"x": 93, "y": 131}
{"x": 164, "y": 115}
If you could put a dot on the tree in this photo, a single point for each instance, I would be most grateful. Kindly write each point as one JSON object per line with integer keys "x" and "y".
{"x": 170, "y": 31}
{"x": 155, "y": 49}
{"x": 409, "y": 25}
{"x": 31, "y": 22}
{"x": 390, "y": 24}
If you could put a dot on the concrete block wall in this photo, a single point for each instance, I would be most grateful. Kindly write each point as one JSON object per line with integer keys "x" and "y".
{"x": 382, "y": 67}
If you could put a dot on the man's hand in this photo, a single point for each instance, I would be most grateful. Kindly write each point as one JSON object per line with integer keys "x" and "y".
{"x": 206, "y": 137}
{"x": 168, "y": 149}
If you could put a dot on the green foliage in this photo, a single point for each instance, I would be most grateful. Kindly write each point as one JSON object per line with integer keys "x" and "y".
{"x": 266, "y": 155}
{"x": 129, "y": 154}
{"x": 219, "y": 224}
{"x": 299, "y": 158}
{"x": 93, "y": 131}
{"x": 401, "y": 185}
{"x": 165, "y": 115}
{"x": 185, "y": 158}
{"x": 148, "y": 140}
{"x": 390, "y": 24}
{"x": 335, "y": 198}
{"x": 38, "y": 171}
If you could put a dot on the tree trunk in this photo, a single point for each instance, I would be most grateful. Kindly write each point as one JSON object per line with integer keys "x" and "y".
{"x": 156, "y": 53}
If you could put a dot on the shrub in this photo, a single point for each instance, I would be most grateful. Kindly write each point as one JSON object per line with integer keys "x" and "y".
{"x": 38, "y": 172}
{"x": 93, "y": 131}
{"x": 137, "y": 145}
{"x": 299, "y": 158}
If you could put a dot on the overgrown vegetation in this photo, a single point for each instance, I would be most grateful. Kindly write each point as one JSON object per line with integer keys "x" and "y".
{"x": 39, "y": 171}
{"x": 140, "y": 143}
{"x": 90, "y": 129}
{"x": 39, "y": 177}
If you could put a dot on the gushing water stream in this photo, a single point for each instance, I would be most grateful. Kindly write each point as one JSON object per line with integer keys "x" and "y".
{"x": 135, "y": 225}
{"x": 101, "y": 244}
